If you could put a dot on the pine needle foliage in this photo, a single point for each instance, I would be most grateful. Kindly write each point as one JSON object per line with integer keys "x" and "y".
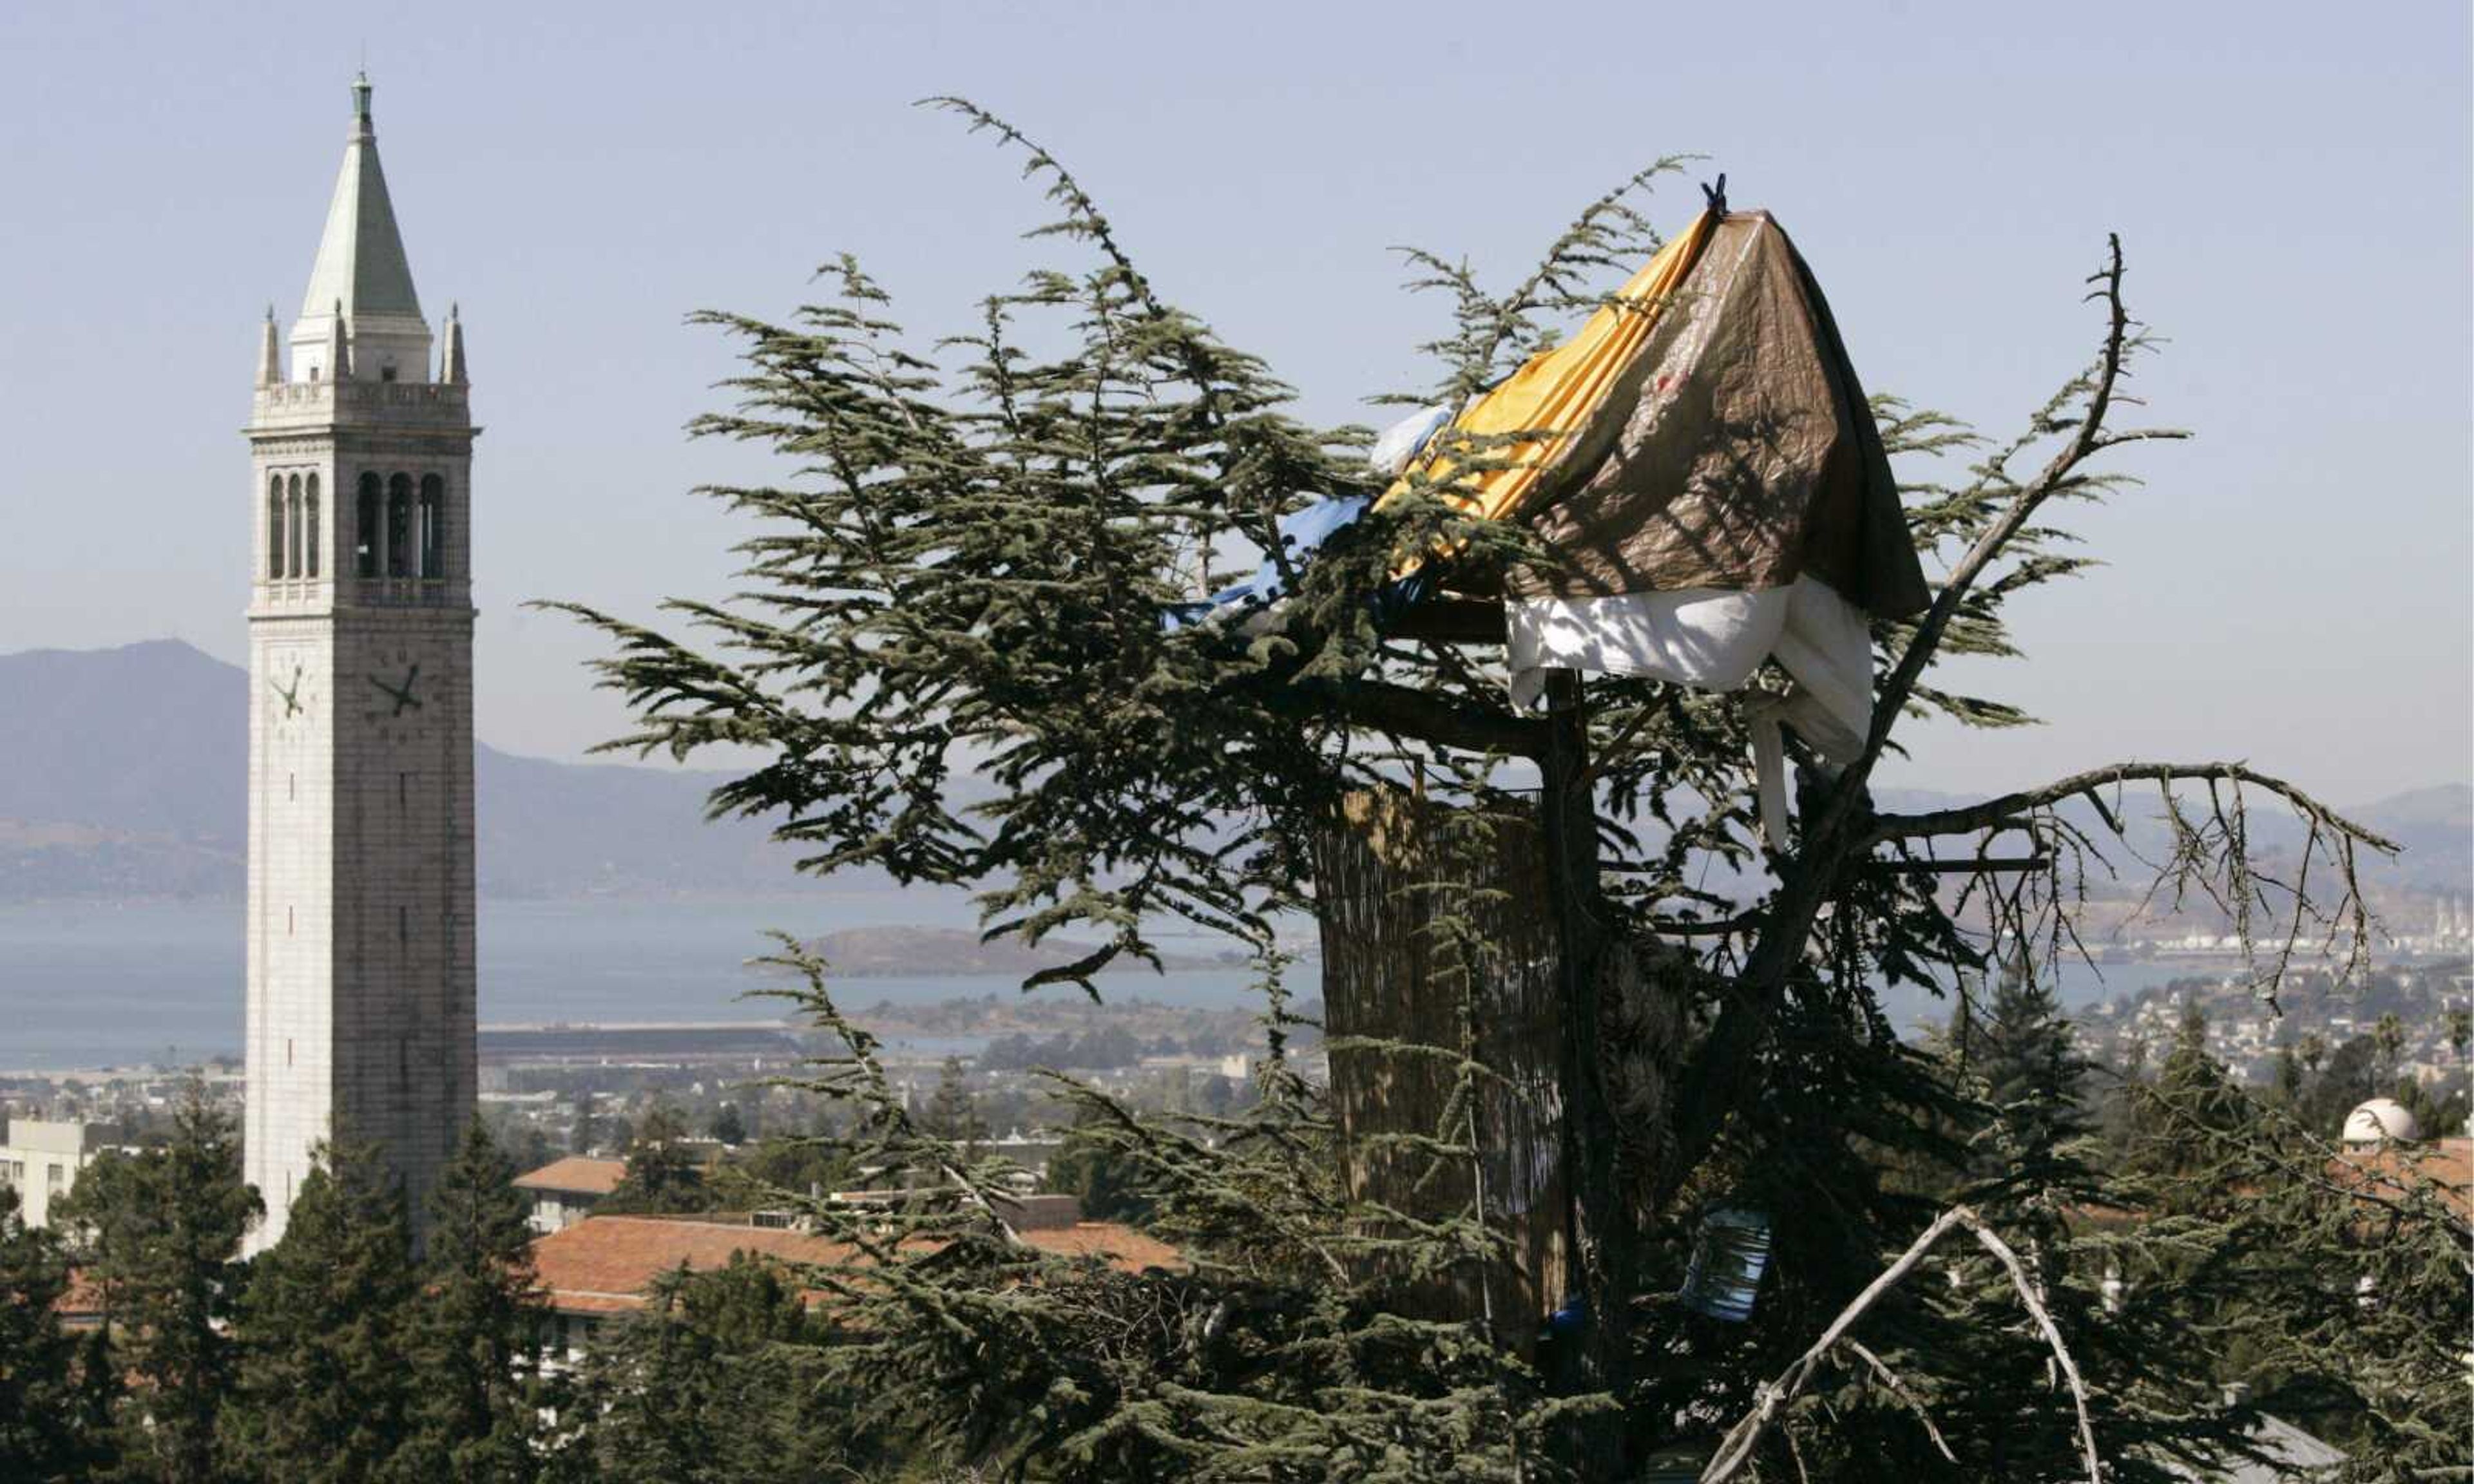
{"x": 2335, "y": 1285}
{"x": 158, "y": 1233}
{"x": 960, "y": 571}
{"x": 41, "y": 1440}
{"x": 475, "y": 1331}
{"x": 322, "y": 1389}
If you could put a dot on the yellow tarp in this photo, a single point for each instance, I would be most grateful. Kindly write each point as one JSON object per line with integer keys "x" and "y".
{"x": 1557, "y": 391}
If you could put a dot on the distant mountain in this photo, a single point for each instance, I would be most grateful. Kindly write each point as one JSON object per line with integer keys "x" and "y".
{"x": 123, "y": 773}
{"x": 2435, "y": 826}
{"x": 859, "y": 952}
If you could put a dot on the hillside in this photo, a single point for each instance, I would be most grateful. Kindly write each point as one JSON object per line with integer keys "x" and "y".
{"x": 123, "y": 774}
{"x": 864, "y": 952}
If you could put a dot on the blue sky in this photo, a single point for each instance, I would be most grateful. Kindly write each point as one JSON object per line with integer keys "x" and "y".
{"x": 2292, "y": 190}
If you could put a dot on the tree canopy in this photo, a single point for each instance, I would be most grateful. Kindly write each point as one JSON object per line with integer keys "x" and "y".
{"x": 960, "y": 571}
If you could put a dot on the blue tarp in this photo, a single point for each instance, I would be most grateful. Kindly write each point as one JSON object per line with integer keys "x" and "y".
{"x": 1302, "y": 533}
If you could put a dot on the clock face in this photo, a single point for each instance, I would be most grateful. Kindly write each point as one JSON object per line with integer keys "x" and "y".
{"x": 396, "y": 689}
{"x": 289, "y": 696}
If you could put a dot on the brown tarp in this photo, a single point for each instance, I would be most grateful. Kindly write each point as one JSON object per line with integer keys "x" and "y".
{"x": 1736, "y": 450}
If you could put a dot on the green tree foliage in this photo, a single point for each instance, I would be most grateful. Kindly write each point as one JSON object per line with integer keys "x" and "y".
{"x": 1100, "y": 1174}
{"x": 961, "y": 566}
{"x": 323, "y": 1390}
{"x": 664, "y": 1175}
{"x": 805, "y": 1164}
{"x": 2349, "y": 1079}
{"x": 728, "y": 1126}
{"x": 713, "y": 1383}
{"x": 473, "y": 1340}
{"x": 159, "y": 1234}
{"x": 2334, "y": 1284}
{"x": 953, "y": 1115}
{"x": 43, "y": 1435}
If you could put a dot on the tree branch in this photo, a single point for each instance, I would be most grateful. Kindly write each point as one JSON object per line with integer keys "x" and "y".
{"x": 1840, "y": 835}
{"x": 2011, "y": 808}
{"x": 1407, "y": 711}
{"x": 1740, "y": 1440}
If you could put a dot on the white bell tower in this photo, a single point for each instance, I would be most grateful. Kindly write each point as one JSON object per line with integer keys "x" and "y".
{"x": 360, "y": 994}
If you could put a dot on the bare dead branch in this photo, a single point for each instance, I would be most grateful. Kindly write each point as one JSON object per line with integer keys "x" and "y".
{"x": 1839, "y": 836}
{"x": 2013, "y": 808}
{"x": 1898, "y": 1388}
{"x": 1737, "y": 1446}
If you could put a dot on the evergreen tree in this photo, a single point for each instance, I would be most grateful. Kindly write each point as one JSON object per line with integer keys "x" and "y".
{"x": 2349, "y": 1079}
{"x": 2387, "y": 1042}
{"x": 474, "y": 1346}
{"x": 43, "y": 1435}
{"x": 728, "y": 1127}
{"x": 713, "y": 1383}
{"x": 2290, "y": 1075}
{"x": 158, "y": 1234}
{"x": 780, "y": 1166}
{"x": 2332, "y": 1285}
{"x": 2025, "y": 1054}
{"x": 664, "y": 1176}
{"x": 964, "y": 565}
{"x": 581, "y": 1131}
{"x": 323, "y": 1390}
{"x": 953, "y": 1114}
{"x": 1102, "y": 1176}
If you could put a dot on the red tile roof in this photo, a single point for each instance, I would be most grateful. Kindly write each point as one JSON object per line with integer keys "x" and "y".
{"x": 575, "y": 1174}
{"x": 604, "y": 1264}
{"x": 2385, "y": 1170}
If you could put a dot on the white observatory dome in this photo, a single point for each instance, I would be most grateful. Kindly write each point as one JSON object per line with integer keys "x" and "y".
{"x": 2379, "y": 1119}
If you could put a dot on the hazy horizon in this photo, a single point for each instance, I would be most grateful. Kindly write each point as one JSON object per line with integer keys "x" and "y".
{"x": 2290, "y": 589}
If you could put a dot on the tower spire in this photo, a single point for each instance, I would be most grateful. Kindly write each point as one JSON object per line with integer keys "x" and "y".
{"x": 270, "y": 355}
{"x": 339, "y": 350}
{"x": 450, "y": 366}
{"x": 361, "y": 265}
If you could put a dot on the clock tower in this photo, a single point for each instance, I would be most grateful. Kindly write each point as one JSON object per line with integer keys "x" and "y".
{"x": 360, "y": 743}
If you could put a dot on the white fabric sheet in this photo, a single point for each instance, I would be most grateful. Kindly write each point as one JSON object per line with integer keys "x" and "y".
{"x": 1715, "y": 641}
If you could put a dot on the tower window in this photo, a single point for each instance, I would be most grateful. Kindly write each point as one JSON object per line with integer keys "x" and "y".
{"x": 275, "y": 526}
{"x": 386, "y": 373}
{"x": 365, "y": 533}
{"x": 309, "y": 504}
{"x": 433, "y": 526}
{"x": 399, "y": 526}
{"x": 292, "y": 529}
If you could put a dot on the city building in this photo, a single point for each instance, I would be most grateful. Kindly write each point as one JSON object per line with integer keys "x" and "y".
{"x": 40, "y": 1160}
{"x": 564, "y": 1192}
{"x": 360, "y": 977}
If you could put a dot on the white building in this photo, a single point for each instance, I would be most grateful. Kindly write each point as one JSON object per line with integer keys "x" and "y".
{"x": 360, "y": 990}
{"x": 2379, "y": 1121}
{"x": 40, "y": 1161}
{"x": 564, "y": 1191}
